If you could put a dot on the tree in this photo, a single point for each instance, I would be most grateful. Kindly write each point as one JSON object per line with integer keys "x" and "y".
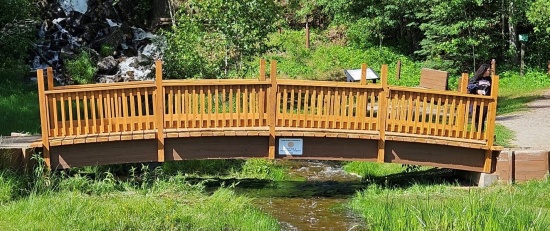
{"x": 221, "y": 34}
{"x": 17, "y": 32}
{"x": 458, "y": 34}
{"x": 539, "y": 15}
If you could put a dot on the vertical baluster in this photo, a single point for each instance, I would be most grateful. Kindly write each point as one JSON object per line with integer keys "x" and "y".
{"x": 231, "y": 107}
{"x": 56, "y": 124}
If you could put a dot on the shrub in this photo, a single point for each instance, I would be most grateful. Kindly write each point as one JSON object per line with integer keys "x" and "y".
{"x": 81, "y": 69}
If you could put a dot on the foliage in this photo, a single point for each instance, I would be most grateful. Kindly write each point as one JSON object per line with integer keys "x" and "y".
{"x": 263, "y": 169}
{"x": 457, "y": 31}
{"x": 17, "y": 34}
{"x": 81, "y": 69}
{"x": 106, "y": 50}
{"x": 214, "y": 37}
{"x": 539, "y": 15}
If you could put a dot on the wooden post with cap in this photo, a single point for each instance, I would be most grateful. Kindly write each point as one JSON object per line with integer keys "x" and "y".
{"x": 272, "y": 109}
{"x": 382, "y": 110}
{"x": 44, "y": 128}
{"x": 159, "y": 111}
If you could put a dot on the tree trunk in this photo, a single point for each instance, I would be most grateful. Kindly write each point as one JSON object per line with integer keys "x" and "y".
{"x": 512, "y": 34}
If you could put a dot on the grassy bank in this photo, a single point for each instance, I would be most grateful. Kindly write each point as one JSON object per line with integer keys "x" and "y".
{"x": 94, "y": 198}
{"x": 443, "y": 207}
{"x": 423, "y": 200}
{"x": 153, "y": 209}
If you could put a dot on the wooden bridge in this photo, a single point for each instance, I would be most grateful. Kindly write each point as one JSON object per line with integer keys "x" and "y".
{"x": 168, "y": 120}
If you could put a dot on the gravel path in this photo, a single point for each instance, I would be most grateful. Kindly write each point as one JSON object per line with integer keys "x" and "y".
{"x": 532, "y": 127}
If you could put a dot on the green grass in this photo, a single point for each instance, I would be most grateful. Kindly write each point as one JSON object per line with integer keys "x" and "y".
{"x": 504, "y": 136}
{"x": 222, "y": 210}
{"x": 87, "y": 199}
{"x": 19, "y": 111}
{"x": 515, "y": 92}
{"x": 440, "y": 207}
{"x": 372, "y": 169}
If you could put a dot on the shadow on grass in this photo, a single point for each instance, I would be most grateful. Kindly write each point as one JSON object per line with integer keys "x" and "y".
{"x": 513, "y": 104}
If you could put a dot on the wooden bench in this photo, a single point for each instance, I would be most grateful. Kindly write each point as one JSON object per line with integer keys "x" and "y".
{"x": 434, "y": 79}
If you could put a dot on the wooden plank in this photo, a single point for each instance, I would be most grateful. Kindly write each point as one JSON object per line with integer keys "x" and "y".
{"x": 272, "y": 109}
{"x": 238, "y": 106}
{"x": 87, "y": 127}
{"x": 147, "y": 106}
{"x": 307, "y": 107}
{"x": 208, "y": 106}
{"x": 159, "y": 112}
{"x": 134, "y": 107}
{"x": 42, "y": 98}
{"x": 491, "y": 120}
{"x": 63, "y": 118}
{"x": 170, "y": 114}
{"x": 218, "y": 123}
{"x": 78, "y": 118}
{"x": 224, "y": 108}
{"x": 56, "y": 128}
{"x": 70, "y": 105}
{"x": 382, "y": 109}
{"x": 433, "y": 79}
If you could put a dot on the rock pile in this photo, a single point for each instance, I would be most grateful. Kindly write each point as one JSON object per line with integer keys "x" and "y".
{"x": 120, "y": 51}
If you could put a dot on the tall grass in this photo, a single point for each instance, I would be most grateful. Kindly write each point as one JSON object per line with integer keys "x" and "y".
{"x": 133, "y": 211}
{"x": 144, "y": 199}
{"x": 447, "y": 208}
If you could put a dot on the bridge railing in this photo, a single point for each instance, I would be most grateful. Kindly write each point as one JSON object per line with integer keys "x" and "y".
{"x": 118, "y": 111}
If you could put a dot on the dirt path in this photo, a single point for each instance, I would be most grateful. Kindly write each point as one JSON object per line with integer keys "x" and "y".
{"x": 532, "y": 127}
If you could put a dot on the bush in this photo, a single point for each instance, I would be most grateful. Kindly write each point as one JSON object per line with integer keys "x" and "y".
{"x": 81, "y": 69}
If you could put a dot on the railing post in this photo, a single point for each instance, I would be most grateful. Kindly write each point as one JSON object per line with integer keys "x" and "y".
{"x": 491, "y": 120}
{"x": 462, "y": 116}
{"x": 262, "y": 93}
{"x": 464, "y": 83}
{"x": 382, "y": 112}
{"x": 50, "y": 78}
{"x": 159, "y": 111}
{"x": 49, "y": 73}
{"x": 364, "y": 74}
{"x": 272, "y": 110}
{"x": 43, "y": 118}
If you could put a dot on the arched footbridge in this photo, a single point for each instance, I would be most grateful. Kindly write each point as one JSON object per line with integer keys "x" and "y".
{"x": 169, "y": 120}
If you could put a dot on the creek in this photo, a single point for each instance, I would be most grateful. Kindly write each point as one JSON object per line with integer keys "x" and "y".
{"x": 318, "y": 203}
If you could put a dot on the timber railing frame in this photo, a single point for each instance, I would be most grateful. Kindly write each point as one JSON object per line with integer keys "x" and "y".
{"x": 263, "y": 107}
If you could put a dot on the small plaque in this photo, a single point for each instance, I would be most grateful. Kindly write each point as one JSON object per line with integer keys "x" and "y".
{"x": 291, "y": 146}
{"x": 523, "y": 37}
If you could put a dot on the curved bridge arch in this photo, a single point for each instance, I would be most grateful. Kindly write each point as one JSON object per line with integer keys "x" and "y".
{"x": 165, "y": 120}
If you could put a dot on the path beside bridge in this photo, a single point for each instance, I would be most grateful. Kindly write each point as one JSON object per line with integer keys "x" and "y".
{"x": 531, "y": 127}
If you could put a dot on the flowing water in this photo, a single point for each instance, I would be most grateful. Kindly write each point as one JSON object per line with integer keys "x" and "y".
{"x": 318, "y": 203}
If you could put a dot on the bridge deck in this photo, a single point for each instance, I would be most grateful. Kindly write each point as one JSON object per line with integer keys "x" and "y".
{"x": 367, "y": 118}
